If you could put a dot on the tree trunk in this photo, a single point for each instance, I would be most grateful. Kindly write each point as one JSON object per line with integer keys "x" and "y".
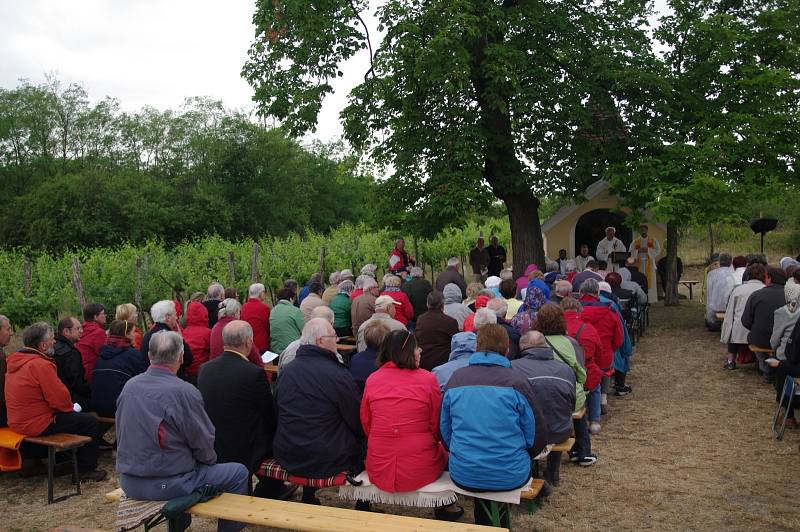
{"x": 526, "y": 232}
{"x": 671, "y": 291}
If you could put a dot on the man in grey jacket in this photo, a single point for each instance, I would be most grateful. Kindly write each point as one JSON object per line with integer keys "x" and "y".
{"x": 181, "y": 457}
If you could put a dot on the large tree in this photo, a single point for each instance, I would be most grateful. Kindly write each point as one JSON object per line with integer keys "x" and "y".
{"x": 463, "y": 99}
{"x": 724, "y": 127}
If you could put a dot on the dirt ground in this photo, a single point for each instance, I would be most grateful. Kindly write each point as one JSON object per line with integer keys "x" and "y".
{"x": 690, "y": 449}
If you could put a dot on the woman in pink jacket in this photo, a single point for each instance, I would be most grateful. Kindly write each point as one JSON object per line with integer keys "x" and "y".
{"x": 400, "y": 415}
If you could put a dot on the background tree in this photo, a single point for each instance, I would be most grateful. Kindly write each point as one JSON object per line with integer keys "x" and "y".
{"x": 463, "y": 98}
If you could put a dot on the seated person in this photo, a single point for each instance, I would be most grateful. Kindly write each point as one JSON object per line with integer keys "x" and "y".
{"x": 589, "y": 273}
{"x": 364, "y": 363}
{"x": 462, "y": 347}
{"x": 245, "y": 420}
{"x": 434, "y": 331}
{"x": 491, "y": 456}
{"x": 561, "y": 289}
{"x": 499, "y": 307}
{"x": 288, "y": 354}
{"x": 453, "y": 306}
{"x": 39, "y": 404}
{"x": 68, "y": 361}
{"x": 385, "y": 311}
{"x": 118, "y": 363}
{"x": 5, "y": 338}
{"x": 319, "y": 432}
{"x": 785, "y": 320}
{"x": 787, "y": 369}
{"x": 734, "y": 333}
{"x": 165, "y": 440}
{"x": 340, "y": 305}
{"x": 759, "y": 313}
{"x": 508, "y": 289}
{"x": 480, "y": 302}
{"x": 400, "y": 416}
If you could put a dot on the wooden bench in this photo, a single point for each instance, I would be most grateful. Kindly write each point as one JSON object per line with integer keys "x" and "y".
{"x": 312, "y": 518}
{"x": 579, "y": 414}
{"x": 270, "y": 369}
{"x": 719, "y": 316}
{"x": 689, "y": 285}
{"x": 351, "y": 340}
{"x": 563, "y": 447}
{"x": 756, "y": 349}
{"x": 60, "y": 443}
{"x": 346, "y": 350}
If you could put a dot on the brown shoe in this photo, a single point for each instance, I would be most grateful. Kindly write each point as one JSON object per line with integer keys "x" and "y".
{"x": 97, "y": 475}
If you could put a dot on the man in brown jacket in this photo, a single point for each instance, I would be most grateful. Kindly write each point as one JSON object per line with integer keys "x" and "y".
{"x": 434, "y": 331}
{"x": 364, "y": 305}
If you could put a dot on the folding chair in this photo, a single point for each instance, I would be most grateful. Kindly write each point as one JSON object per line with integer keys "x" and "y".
{"x": 790, "y": 389}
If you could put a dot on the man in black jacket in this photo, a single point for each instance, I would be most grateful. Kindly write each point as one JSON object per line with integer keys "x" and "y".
{"x": 239, "y": 403}
{"x": 68, "y": 361}
{"x": 759, "y": 314}
{"x": 319, "y": 431}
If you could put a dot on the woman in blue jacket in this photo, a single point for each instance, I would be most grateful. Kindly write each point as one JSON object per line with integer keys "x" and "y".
{"x": 117, "y": 364}
{"x": 489, "y": 421}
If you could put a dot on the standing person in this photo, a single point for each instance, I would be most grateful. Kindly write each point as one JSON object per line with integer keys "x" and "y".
{"x": 363, "y": 307}
{"x": 214, "y": 296}
{"x": 400, "y": 394}
{"x": 244, "y": 421}
{"x": 229, "y": 310}
{"x": 285, "y": 321}
{"x": 40, "y": 405}
{"x": 417, "y": 290}
{"x": 93, "y": 336}
{"x": 491, "y": 456}
{"x": 341, "y": 305}
{"x": 404, "y": 312}
{"x": 497, "y": 257}
{"x": 5, "y": 338}
{"x": 583, "y": 258}
{"x": 399, "y": 260}
{"x": 129, "y": 313}
{"x": 256, "y": 312}
{"x": 479, "y": 260}
{"x": 434, "y": 332}
{"x": 719, "y": 285}
{"x": 610, "y": 244}
{"x": 451, "y": 275}
{"x": 197, "y": 336}
{"x": 165, "y": 318}
{"x": 118, "y": 363}
{"x": 319, "y": 431}
{"x": 646, "y": 250}
{"x": 734, "y": 332}
{"x": 68, "y": 362}
{"x": 165, "y": 440}
{"x": 312, "y": 300}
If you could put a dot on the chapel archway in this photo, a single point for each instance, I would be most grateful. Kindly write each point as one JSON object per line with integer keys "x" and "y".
{"x": 591, "y": 228}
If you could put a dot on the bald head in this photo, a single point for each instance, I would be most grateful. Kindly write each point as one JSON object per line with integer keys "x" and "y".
{"x": 532, "y": 339}
{"x": 237, "y": 335}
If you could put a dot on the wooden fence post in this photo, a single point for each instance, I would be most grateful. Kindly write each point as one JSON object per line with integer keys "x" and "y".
{"x": 77, "y": 284}
{"x": 254, "y": 264}
{"x": 231, "y": 269}
{"x": 26, "y": 271}
{"x": 137, "y": 295}
{"x": 322, "y": 262}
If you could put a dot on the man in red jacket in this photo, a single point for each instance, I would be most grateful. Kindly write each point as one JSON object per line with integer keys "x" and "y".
{"x": 38, "y": 402}
{"x": 256, "y": 313}
{"x": 93, "y": 337}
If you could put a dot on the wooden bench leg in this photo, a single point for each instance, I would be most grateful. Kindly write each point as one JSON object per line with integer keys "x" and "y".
{"x": 76, "y": 477}
{"x": 499, "y": 513}
{"x": 51, "y": 464}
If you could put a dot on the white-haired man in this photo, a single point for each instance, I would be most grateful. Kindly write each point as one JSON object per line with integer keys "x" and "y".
{"x": 256, "y": 312}
{"x": 165, "y": 318}
{"x": 451, "y": 275}
{"x": 214, "y": 295}
{"x": 288, "y": 354}
{"x": 165, "y": 439}
{"x": 319, "y": 431}
{"x": 417, "y": 290}
{"x": 385, "y": 312}
{"x": 333, "y": 287}
{"x": 363, "y": 307}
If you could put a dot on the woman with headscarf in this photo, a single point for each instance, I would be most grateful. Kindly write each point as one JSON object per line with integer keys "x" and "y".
{"x": 785, "y": 320}
{"x": 523, "y": 281}
{"x": 534, "y": 300}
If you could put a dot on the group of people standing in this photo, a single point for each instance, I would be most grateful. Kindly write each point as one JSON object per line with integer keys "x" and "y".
{"x": 755, "y": 304}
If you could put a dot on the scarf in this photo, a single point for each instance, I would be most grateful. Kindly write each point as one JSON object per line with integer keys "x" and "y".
{"x": 534, "y": 300}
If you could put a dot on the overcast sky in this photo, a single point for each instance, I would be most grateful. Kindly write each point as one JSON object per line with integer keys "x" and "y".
{"x": 145, "y": 52}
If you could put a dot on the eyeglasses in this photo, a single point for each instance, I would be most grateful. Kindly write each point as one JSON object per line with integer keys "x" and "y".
{"x": 330, "y": 336}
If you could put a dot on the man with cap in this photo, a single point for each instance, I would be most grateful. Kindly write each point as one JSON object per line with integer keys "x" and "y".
{"x": 646, "y": 250}
{"x": 384, "y": 312}
{"x": 610, "y": 244}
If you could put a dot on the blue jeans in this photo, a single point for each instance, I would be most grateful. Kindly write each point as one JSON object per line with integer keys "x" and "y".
{"x": 583, "y": 442}
{"x": 593, "y": 404}
{"x": 230, "y": 478}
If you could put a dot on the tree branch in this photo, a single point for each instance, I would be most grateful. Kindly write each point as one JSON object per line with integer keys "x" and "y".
{"x": 369, "y": 42}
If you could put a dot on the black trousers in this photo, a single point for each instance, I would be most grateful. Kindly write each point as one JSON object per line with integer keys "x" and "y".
{"x": 84, "y": 425}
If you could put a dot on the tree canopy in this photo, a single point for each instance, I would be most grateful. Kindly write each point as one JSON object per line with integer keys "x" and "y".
{"x": 77, "y": 173}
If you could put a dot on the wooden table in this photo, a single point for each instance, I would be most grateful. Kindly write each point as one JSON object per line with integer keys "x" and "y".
{"x": 689, "y": 285}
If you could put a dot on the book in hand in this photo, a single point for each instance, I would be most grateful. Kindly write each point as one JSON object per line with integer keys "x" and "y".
{"x": 269, "y": 356}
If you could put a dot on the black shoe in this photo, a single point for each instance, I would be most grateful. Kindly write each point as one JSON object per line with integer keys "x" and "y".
{"x": 443, "y": 515}
{"x": 287, "y": 490}
{"x": 729, "y": 365}
{"x": 588, "y": 460}
{"x": 547, "y": 489}
{"x": 622, "y": 391}
{"x": 103, "y": 445}
{"x": 96, "y": 475}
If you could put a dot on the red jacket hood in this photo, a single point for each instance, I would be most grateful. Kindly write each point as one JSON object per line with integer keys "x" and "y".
{"x": 18, "y": 360}
{"x": 196, "y": 315}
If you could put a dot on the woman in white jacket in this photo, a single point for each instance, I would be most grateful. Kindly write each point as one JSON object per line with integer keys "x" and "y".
{"x": 733, "y": 332}
{"x": 785, "y": 319}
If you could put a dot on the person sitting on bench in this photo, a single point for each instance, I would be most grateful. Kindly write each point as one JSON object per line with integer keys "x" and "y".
{"x": 759, "y": 315}
{"x": 118, "y": 363}
{"x": 245, "y": 420}
{"x": 719, "y": 285}
{"x": 400, "y": 416}
{"x": 38, "y": 402}
{"x": 492, "y": 456}
{"x": 734, "y": 333}
{"x": 5, "y": 338}
{"x": 319, "y": 432}
{"x": 165, "y": 440}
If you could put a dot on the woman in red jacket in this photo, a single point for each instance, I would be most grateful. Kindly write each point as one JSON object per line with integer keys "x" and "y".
{"x": 198, "y": 336}
{"x": 400, "y": 415}
{"x": 587, "y": 336}
{"x": 404, "y": 312}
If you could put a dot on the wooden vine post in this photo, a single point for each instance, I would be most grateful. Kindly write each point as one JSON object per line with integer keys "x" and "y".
{"x": 231, "y": 269}
{"x": 26, "y": 271}
{"x": 322, "y": 262}
{"x": 77, "y": 284}
{"x": 254, "y": 264}
{"x": 137, "y": 295}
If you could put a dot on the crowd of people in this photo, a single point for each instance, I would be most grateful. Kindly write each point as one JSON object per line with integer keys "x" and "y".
{"x": 755, "y": 305}
{"x": 476, "y": 378}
